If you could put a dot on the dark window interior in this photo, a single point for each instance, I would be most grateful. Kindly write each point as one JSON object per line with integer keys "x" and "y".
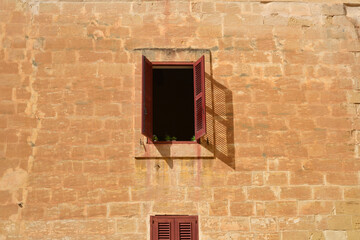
{"x": 173, "y": 103}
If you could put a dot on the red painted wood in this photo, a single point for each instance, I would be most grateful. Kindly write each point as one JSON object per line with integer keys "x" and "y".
{"x": 173, "y": 63}
{"x": 186, "y": 228}
{"x": 153, "y": 228}
{"x": 177, "y": 227}
{"x": 147, "y": 98}
{"x": 163, "y": 228}
{"x": 199, "y": 98}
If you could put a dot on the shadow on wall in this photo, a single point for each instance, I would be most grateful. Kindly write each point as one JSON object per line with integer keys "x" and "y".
{"x": 219, "y": 138}
{"x": 220, "y": 120}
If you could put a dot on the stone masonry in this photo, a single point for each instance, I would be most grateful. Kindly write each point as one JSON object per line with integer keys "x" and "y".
{"x": 283, "y": 112}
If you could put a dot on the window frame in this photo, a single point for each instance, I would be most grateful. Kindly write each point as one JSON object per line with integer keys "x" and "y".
{"x": 174, "y": 230}
{"x": 175, "y": 64}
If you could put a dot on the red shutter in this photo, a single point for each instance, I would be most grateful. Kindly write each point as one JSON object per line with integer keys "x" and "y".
{"x": 186, "y": 228}
{"x": 147, "y": 98}
{"x": 199, "y": 98}
{"x": 162, "y": 228}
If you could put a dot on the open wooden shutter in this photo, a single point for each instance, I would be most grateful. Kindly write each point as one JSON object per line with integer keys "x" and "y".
{"x": 147, "y": 98}
{"x": 162, "y": 228}
{"x": 186, "y": 228}
{"x": 199, "y": 98}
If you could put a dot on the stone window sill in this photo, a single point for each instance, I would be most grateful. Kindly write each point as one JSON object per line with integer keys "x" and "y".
{"x": 173, "y": 150}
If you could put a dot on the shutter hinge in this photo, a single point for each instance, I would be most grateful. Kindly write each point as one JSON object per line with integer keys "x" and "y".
{"x": 153, "y": 222}
{"x": 145, "y": 111}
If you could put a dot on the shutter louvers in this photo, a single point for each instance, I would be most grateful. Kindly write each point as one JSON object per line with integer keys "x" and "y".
{"x": 199, "y": 97}
{"x": 162, "y": 228}
{"x": 164, "y": 231}
{"x": 147, "y": 98}
{"x": 185, "y": 231}
{"x": 186, "y": 228}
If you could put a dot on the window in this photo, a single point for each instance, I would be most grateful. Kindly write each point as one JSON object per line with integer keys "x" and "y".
{"x": 174, "y": 228}
{"x": 173, "y": 100}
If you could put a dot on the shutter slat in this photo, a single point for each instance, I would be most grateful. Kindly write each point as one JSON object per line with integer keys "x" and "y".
{"x": 185, "y": 231}
{"x": 199, "y": 97}
{"x": 198, "y": 84}
{"x": 199, "y": 114}
{"x": 147, "y": 98}
{"x": 164, "y": 231}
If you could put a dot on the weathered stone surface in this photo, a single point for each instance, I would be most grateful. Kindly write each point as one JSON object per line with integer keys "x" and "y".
{"x": 281, "y": 156}
{"x": 338, "y": 235}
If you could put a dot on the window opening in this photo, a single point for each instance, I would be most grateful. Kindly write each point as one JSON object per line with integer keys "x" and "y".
{"x": 173, "y": 104}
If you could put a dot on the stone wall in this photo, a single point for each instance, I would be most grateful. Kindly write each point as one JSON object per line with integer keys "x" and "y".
{"x": 282, "y": 109}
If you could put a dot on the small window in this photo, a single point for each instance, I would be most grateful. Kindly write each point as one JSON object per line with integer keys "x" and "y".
{"x": 174, "y": 227}
{"x": 173, "y": 104}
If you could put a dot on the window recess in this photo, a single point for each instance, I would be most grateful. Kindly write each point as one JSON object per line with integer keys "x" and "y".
{"x": 173, "y": 101}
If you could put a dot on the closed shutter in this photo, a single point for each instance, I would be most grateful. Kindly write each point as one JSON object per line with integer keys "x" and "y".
{"x": 147, "y": 98}
{"x": 162, "y": 228}
{"x": 174, "y": 228}
{"x": 186, "y": 228}
{"x": 199, "y": 98}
